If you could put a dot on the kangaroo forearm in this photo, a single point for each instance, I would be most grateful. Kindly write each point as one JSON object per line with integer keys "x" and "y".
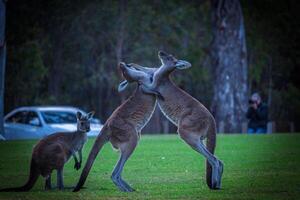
{"x": 75, "y": 159}
{"x": 74, "y": 156}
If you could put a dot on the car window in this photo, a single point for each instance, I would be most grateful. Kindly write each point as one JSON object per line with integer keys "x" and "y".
{"x": 95, "y": 121}
{"x": 25, "y": 117}
{"x": 18, "y": 117}
{"x": 59, "y": 117}
{"x": 32, "y": 119}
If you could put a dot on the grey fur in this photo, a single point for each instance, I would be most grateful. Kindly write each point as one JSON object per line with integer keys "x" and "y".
{"x": 193, "y": 120}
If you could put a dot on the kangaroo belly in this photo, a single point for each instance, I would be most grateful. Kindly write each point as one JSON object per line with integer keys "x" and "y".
{"x": 171, "y": 111}
{"x": 146, "y": 116}
{"x": 51, "y": 156}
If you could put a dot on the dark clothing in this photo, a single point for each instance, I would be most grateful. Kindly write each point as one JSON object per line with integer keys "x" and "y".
{"x": 258, "y": 118}
{"x": 257, "y": 130}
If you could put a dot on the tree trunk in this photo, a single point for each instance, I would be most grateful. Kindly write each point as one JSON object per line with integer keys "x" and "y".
{"x": 2, "y": 62}
{"x": 229, "y": 63}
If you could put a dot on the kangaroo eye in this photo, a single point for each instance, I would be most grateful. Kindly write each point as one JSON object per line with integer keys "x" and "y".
{"x": 170, "y": 58}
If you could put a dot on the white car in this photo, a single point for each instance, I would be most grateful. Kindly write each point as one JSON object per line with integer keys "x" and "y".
{"x": 38, "y": 122}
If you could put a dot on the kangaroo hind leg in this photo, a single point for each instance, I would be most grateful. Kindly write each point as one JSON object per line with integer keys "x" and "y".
{"x": 126, "y": 149}
{"x": 196, "y": 142}
{"x": 48, "y": 185}
{"x": 60, "y": 181}
{"x": 217, "y": 165}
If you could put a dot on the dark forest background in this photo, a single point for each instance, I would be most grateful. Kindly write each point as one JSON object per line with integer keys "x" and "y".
{"x": 66, "y": 53}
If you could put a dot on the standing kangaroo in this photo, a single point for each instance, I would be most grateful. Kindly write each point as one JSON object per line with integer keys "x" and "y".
{"x": 193, "y": 120}
{"x": 53, "y": 151}
{"x": 123, "y": 127}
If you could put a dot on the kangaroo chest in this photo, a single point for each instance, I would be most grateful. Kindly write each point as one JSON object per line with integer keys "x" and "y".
{"x": 145, "y": 115}
{"x": 78, "y": 142}
{"x": 173, "y": 104}
{"x": 171, "y": 110}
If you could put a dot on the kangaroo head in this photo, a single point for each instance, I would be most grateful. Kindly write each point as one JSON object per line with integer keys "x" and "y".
{"x": 83, "y": 121}
{"x": 148, "y": 70}
{"x": 133, "y": 75}
{"x": 169, "y": 62}
{"x": 136, "y": 73}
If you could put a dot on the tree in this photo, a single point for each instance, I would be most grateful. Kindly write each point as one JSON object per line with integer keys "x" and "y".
{"x": 2, "y": 62}
{"x": 229, "y": 60}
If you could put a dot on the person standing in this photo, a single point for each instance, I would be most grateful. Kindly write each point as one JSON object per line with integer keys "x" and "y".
{"x": 257, "y": 114}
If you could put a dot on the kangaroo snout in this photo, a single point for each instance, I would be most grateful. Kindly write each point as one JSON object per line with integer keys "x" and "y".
{"x": 182, "y": 64}
{"x": 125, "y": 71}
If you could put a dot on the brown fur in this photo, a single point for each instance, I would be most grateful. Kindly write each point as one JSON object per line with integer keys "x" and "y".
{"x": 193, "y": 120}
{"x": 122, "y": 130}
{"x": 52, "y": 152}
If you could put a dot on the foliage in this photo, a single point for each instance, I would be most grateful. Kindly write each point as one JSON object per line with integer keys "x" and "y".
{"x": 26, "y": 74}
{"x": 272, "y": 37}
{"x": 79, "y": 48}
{"x": 70, "y": 49}
{"x": 252, "y": 170}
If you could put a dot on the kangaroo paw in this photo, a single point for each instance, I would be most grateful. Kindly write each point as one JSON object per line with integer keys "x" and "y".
{"x": 77, "y": 165}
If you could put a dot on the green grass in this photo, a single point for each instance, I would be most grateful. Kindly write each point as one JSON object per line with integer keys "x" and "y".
{"x": 164, "y": 167}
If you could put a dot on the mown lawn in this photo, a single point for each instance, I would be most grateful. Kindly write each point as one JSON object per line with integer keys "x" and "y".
{"x": 164, "y": 167}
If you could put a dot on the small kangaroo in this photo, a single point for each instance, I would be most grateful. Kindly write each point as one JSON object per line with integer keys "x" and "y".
{"x": 53, "y": 151}
{"x": 193, "y": 120}
{"x": 123, "y": 127}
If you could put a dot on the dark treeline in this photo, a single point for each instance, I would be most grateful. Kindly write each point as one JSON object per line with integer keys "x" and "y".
{"x": 66, "y": 52}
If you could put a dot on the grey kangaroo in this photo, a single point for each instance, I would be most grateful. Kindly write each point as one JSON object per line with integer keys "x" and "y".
{"x": 52, "y": 152}
{"x": 123, "y": 127}
{"x": 193, "y": 120}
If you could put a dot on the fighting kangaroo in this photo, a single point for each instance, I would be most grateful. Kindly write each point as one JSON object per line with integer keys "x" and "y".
{"x": 52, "y": 152}
{"x": 123, "y": 127}
{"x": 193, "y": 120}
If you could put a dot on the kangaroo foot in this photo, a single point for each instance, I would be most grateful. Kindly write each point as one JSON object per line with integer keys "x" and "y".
{"x": 214, "y": 178}
{"x": 220, "y": 173}
{"x": 217, "y": 172}
{"x": 122, "y": 185}
{"x": 77, "y": 165}
{"x": 128, "y": 187}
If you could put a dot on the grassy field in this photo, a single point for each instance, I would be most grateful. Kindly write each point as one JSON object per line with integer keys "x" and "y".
{"x": 164, "y": 167}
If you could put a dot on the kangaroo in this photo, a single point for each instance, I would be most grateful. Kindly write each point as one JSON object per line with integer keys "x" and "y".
{"x": 193, "y": 120}
{"x": 53, "y": 151}
{"x": 123, "y": 127}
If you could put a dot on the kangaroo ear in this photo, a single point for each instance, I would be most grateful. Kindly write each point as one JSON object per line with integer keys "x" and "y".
{"x": 122, "y": 86}
{"x": 78, "y": 115}
{"x": 152, "y": 91}
{"x": 90, "y": 115}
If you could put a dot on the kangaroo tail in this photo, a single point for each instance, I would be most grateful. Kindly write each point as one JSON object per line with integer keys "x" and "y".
{"x": 102, "y": 139}
{"x": 33, "y": 176}
{"x": 210, "y": 145}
